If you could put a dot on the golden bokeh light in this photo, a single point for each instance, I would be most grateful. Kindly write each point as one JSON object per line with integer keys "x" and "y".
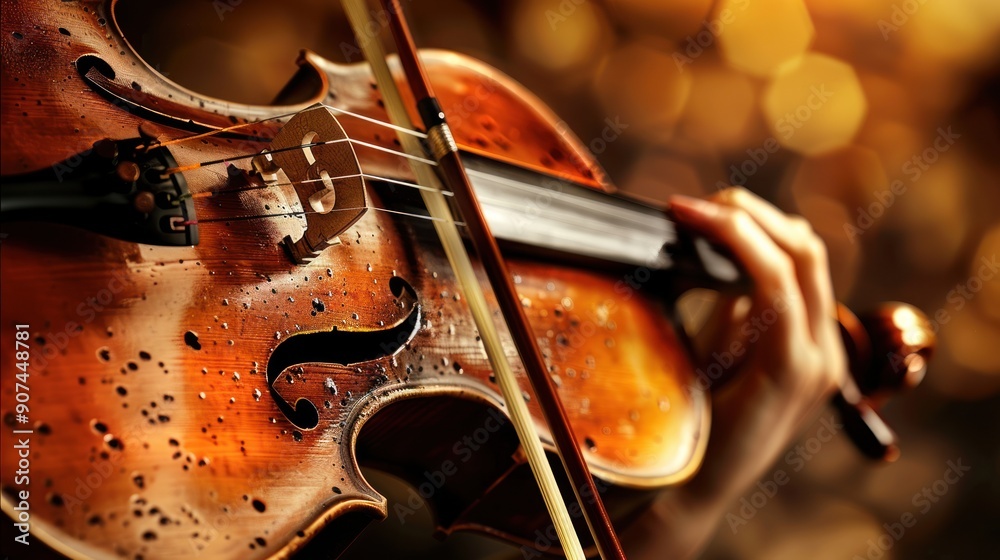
{"x": 982, "y": 265}
{"x": 828, "y": 217}
{"x": 862, "y": 12}
{"x": 951, "y": 30}
{"x": 815, "y": 104}
{"x": 928, "y": 217}
{"x": 972, "y": 344}
{"x": 673, "y": 20}
{"x": 557, "y": 37}
{"x": 893, "y": 141}
{"x": 721, "y": 105}
{"x": 851, "y": 175}
{"x": 643, "y": 87}
{"x": 656, "y": 176}
{"x": 758, "y": 37}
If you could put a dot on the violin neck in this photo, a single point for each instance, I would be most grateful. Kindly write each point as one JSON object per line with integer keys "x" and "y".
{"x": 532, "y": 210}
{"x": 555, "y": 219}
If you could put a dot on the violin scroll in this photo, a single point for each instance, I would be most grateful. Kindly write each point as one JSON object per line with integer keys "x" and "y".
{"x": 888, "y": 350}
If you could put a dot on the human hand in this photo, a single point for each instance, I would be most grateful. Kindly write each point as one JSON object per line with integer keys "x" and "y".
{"x": 790, "y": 361}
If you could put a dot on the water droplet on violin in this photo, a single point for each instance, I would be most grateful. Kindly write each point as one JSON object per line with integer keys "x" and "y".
{"x": 113, "y": 442}
{"x": 121, "y": 390}
{"x": 104, "y": 354}
{"x": 191, "y": 339}
{"x": 330, "y": 385}
{"x": 664, "y": 404}
{"x": 259, "y": 505}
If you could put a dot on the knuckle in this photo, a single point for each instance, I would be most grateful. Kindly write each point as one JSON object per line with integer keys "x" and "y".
{"x": 720, "y": 196}
{"x": 732, "y": 195}
{"x": 808, "y": 244}
{"x": 800, "y": 225}
{"x": 816, "y": 376}
{"x": 740, "y": 221}
{"x": 828, "y": 369}
{"x": 781, "y": 268}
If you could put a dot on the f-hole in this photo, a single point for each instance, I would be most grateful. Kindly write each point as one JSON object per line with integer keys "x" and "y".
{"x": 341, "y": 348}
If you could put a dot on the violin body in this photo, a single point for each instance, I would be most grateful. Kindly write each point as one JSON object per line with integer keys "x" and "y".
{"x": 220, "y": 398}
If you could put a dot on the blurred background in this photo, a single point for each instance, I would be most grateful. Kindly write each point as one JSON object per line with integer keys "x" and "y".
{"x": 878, "y": 120}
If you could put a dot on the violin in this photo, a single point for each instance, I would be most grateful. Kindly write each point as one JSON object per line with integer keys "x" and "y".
{"x": 223, "y": 311}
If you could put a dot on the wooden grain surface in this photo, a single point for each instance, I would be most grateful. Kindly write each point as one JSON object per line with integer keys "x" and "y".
{"x": 163, "y": 424}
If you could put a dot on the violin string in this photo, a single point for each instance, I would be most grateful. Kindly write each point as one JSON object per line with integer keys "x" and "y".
{"x": 200, "y": 165}
{"x": 345, "y": 112}
{"x": 219, "y": 192}
{"x": 305, "y": 212}
{"x": 193, "y": 166}
{"x": 209, "y": 134}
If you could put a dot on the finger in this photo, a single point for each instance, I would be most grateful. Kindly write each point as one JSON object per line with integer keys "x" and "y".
{"x": 717, "y": 331}
{"x": 719, "y": 345}
{"x": 795, "y": 237}
{"x": 777, "y": 296}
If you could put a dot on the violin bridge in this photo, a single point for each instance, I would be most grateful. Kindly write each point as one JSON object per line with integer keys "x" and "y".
{"x": 314, "y": 155}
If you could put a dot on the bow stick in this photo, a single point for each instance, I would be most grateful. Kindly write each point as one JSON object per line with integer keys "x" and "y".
{"x": 450, "y": 167}
{"x": 444, "y": 150}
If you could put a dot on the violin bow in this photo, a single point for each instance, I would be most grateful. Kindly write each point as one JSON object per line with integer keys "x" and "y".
{"x": 452, "y": 173}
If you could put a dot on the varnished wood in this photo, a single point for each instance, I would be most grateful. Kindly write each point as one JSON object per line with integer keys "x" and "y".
{"x": 156, "y": 431}
{"x": 171, "y": 409}
{"x": 452, "y": 172}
